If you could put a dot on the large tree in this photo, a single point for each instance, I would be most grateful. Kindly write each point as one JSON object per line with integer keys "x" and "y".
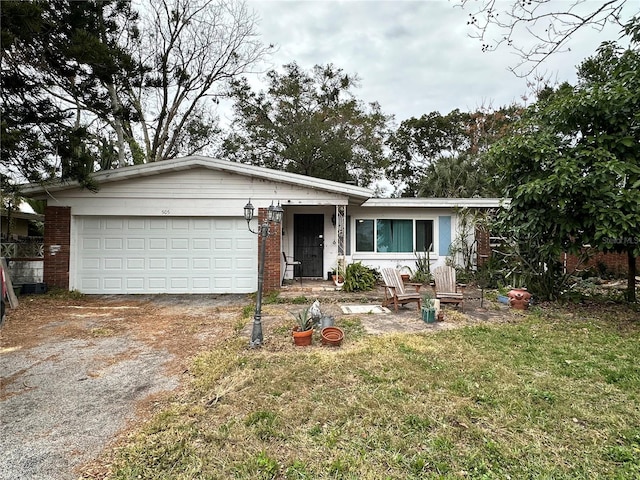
{"x": 442, "y": 155}
{"x": 55, "y": 55}
{"x": 96, "y": 85}
{"x": 309, "y": 123}
{"x": 573, "y": 172}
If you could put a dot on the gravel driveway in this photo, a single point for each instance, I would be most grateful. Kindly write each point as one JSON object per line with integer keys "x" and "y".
{"x": 76, "y": 373}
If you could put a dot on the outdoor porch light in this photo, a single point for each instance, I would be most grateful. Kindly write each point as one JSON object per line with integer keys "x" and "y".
{"x": 248, "y": 212}
{"x": 274, "y": 215}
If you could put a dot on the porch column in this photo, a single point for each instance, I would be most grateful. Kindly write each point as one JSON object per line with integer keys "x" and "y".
{"x": 341, "y": 234}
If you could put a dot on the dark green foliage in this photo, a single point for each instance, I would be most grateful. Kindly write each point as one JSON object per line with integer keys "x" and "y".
{"x": 56, "y": 58}
{"x": 573, "y": 172}
{"x": 443, "y": 155}
{"x": 359, "y": 278}
{"x": 309, "y": 123}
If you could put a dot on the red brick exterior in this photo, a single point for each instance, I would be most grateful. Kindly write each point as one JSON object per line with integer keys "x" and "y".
{"x": 273, "y": 257}
{"x": 615, "y": 263}
{"x": 57, "y": 236}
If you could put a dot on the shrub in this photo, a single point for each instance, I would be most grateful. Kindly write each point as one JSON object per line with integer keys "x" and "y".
{"x": 358, "y": 278}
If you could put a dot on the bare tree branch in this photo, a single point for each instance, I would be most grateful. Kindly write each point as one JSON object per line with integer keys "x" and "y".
{"x": 537, "y": 29}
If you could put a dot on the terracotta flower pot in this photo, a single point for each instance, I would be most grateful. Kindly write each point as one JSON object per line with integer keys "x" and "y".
{"x": 302, "y": 339}
{"x": 519, "y": 298}
{"x": 332, "y": 336}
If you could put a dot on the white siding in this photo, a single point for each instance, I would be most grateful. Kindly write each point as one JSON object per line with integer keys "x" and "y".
{"x": 196, "y": 192}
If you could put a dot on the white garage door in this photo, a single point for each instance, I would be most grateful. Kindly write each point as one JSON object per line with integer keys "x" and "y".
{"x": 165, "y": 255}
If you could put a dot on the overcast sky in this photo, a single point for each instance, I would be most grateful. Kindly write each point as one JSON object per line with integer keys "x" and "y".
{"x": 412, "y": 57}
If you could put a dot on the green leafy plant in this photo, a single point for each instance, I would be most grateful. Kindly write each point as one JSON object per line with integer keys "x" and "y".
{"x": 422, "y": 273}
{"x": 304, "y": 321}
{"x": 358, "y": 278}
{"x": 428, "y": 302}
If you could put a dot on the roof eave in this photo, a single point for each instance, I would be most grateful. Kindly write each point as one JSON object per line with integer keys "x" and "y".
{"x": 183, "y": 163}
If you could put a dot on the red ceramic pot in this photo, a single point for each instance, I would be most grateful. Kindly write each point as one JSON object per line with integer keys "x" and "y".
{"x": 332, "y": 336}
{"x": 519, "y": 298}
{"x": 302, "y": 339}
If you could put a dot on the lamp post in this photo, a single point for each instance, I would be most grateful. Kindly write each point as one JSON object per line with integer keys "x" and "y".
{"x": 274, "y": 215}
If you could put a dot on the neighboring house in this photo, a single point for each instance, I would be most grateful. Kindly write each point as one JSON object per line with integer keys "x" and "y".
{"x": 177, "y": 226}
{"x": 22, "y": 250}
{"x": 21, "y": 224}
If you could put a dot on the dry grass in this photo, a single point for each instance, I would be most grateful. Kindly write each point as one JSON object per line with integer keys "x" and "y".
{"x": 551, "y": 395}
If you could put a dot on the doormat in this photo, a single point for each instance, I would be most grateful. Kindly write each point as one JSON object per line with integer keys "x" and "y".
{"x": 364, "y": 309}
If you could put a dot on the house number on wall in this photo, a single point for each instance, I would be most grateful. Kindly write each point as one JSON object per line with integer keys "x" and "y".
{"x": 166, "y": 212}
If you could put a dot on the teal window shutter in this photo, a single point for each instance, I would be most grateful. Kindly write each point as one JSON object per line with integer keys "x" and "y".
{"x": 444, "y": 234}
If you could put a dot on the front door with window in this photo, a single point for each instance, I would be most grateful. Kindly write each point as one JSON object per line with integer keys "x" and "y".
{"x": 308, "y": 243}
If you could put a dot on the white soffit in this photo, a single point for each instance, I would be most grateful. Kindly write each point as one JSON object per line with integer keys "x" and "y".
{"x": 437, "y": 202}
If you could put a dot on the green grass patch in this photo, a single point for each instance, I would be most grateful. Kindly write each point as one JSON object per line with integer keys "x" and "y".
{"x": 553, "y": 395}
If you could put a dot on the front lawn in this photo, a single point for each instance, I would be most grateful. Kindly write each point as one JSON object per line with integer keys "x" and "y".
{"x": 548, "y": 395}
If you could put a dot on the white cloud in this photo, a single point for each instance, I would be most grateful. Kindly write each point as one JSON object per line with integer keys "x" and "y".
{"x": 413, "y": 57}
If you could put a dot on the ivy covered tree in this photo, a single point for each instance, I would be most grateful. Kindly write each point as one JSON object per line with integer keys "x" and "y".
{"x": 573, "y": 171}
{"x": 309, "y": 123}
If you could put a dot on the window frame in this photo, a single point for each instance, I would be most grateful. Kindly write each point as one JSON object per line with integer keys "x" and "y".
{"x": 375, "y": 220}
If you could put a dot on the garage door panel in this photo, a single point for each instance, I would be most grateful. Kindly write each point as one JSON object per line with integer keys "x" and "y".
{"x": 157, "y": 244}
{"x": 158, "y": 263}
{"x": 201, "y": 244}
{"x": 157, "y": 284}
{"x": 135, "y": 263}
{"x": 89, "y": 243}
{"x": 134, "y": 243}
{"x": 134, "y": 283}
{"x": 180, "y": 224}
{"x": 201, "y": 263}
{"x": 113, "y": 263}
{"x": 113, "y": 284}
{"x": 158, "y": 224}
{"x": 135, "y": 224}
{"x": 165, "y": 255}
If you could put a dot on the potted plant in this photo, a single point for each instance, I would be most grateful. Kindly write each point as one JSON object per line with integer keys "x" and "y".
{"x": 303, "y": 331}
{"x": 337, "y": 273}
{"x": 405, "y": 272}
{"x": 428, "y": 308}
{"x": 519, "y": 298}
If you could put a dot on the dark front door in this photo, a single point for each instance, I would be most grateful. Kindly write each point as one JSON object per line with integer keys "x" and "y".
{"x": 308, "y": 243}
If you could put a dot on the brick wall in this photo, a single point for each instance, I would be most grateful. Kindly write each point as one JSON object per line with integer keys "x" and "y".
{"x": 615, "y": 263}
{"x": 273, "y": 256}
{"x": 57, "y": 236}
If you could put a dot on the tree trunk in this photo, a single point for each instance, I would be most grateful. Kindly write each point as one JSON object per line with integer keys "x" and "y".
{"x": 116, "y": 107}
{"x": 631, "y": 275}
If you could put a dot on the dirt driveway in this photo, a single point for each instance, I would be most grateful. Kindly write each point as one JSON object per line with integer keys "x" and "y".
{"x": 77, "y": 373}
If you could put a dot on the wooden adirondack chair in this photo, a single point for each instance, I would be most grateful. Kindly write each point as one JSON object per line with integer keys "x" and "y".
{"x": 446, "y": 288}
{"x": 394, "y": 292}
